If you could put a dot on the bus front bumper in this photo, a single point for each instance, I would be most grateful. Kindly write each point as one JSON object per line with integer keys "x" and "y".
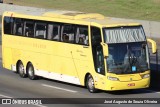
{"x": 120, "y": 85}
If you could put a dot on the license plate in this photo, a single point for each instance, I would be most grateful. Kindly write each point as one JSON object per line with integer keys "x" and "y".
{"x": 131, "y": 84}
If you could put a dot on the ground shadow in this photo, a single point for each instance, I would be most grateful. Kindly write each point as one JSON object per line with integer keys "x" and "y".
{"x": 128, "y": 92}
{"x": 155, "y": 77}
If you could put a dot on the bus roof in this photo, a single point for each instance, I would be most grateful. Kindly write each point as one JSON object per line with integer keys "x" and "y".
{"x": 93, "y": 18}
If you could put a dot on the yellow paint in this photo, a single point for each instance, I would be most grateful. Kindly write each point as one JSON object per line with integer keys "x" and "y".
{"x": 105, "y": 49}
{"x": 154, "y": 45}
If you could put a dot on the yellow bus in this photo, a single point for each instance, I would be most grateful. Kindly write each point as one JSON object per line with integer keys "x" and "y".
{"x": 85, "y": 49}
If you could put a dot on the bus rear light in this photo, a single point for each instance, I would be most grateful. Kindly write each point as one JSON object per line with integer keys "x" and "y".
{"x": 113, "y": 78}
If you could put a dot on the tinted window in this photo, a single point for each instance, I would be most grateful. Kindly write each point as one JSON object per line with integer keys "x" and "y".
{"x": 96, "y": 35}
{"x": 40, "y": 30}
{"x": 8, "y": 25}
{"x": 82, "y": 35}
{"x": 53, "y": 32}
{"x": 18, "y": 27}
{"x": 68, "y": 33}
{"x": 29, "y": 28}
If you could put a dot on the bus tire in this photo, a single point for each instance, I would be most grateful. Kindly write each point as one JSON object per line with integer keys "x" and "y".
{"x": 21, "y": 70}
{"x": 30, "y": 72}
{"x": 90, "y": 84}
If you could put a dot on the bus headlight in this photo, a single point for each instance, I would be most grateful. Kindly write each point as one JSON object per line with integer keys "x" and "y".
{"x": 113, "y": 78}
{"x": 145, "y": 76}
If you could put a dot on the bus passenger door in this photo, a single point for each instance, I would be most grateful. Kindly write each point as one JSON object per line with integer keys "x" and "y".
{"x": 98, "y": 58}
{"x": 99, "y": 66}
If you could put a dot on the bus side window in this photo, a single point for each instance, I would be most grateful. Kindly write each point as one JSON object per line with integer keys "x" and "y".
{"x": 40, "y": 30}
{"x": 8, "y": 25}
{"x": 29, "y": 28}
{"x": 68, "y": 33}
{"x": 53, "y": 32}
{"x": 96, "y": 36}
{"x": 82, "y": 35}
{"x": 18, "y": 27}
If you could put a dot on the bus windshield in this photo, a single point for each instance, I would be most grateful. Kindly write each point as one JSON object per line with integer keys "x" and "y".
{"x": 128, "y": 54}
{"x": 127, "y": 58}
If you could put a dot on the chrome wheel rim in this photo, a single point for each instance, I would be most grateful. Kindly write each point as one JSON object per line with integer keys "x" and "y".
{"x": 30, "y": 71}
{"x": 90, "y": 83}
{"x": 21, "y": 69}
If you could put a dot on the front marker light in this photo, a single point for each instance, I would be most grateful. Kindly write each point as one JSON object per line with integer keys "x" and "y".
{"x": 113, "y": 78}
{"x": 146, "y": 76}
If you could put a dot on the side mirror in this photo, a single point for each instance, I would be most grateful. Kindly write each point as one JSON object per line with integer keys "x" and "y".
{"x": 105, "y": 49}
{"x": 154, "y": 45}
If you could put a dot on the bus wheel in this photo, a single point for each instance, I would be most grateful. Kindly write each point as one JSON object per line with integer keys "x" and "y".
{"x": 90, "y": 84}
{"x": 21, "y": 70}
{"x": 30, "y": 71}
